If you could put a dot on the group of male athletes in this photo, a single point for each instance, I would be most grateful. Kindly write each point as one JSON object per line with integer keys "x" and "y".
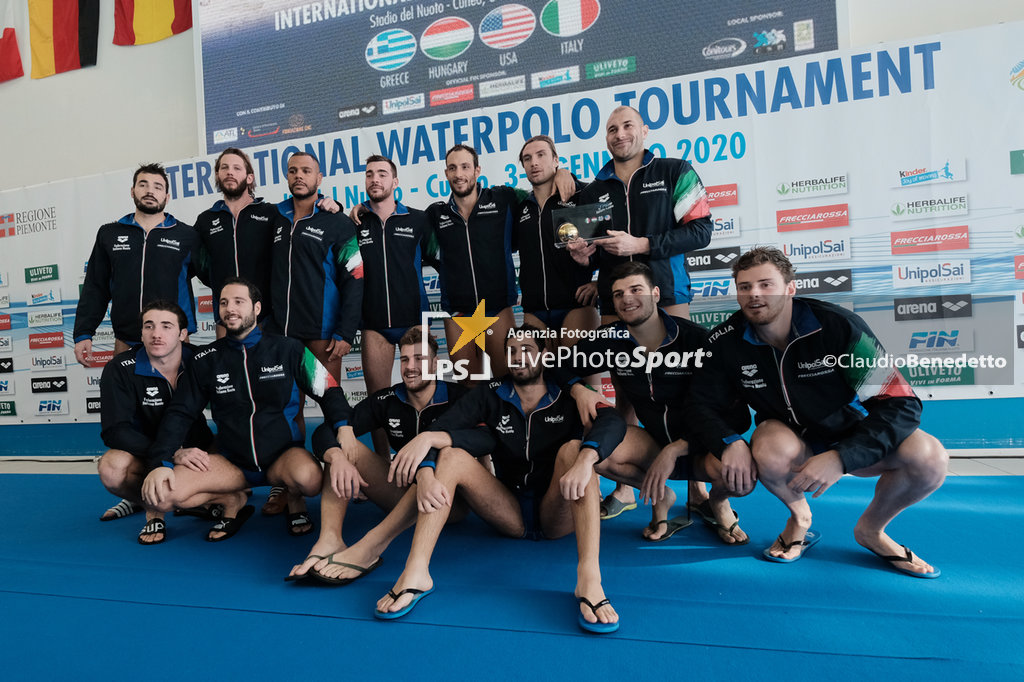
{"x": 292, "y": 284}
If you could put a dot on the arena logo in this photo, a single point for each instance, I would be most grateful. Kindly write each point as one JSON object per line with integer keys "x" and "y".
{"x": 949, "y": 170}
{"x": 823, "y": 249}
{"x": 6, "y": 365}
{"x": 918, "y": 274}
{"x": 932, "y": 307}
{"x": 723, "y": 195}
{"x": 50, "y": 385}
{"x": 93, "y": 406}
{"x": 810, "y": 187}
{"x": 724, "y": 48}
{"x": 711, "y": 259}
{"x": 45, "y": 318}
{"x": 937, "y": 207}
{"x": 46, "y": 340}
{"x": 28, "y": 222}
{"x": 367, "y": 109}
{"x": 46, "y": 408}
{"x": 825, "y": 282}
{"x": 929, "y": 240}
{"x": 41, "y": 273}
{"x": 813, "y": 218}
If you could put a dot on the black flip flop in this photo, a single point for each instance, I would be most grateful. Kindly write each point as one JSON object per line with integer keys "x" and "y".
{"x": 231, "y": 526}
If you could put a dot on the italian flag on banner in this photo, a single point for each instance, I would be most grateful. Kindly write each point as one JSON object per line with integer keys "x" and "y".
{"x": 316, "y": 375}
{"x": 10, "y": 57}
{"x": 137, "y": 22}
{"x": 63, "y": 35}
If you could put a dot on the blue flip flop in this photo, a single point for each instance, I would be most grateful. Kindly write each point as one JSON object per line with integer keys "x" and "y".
{"x": 810, "y": 539}
{"x": 598, "y": 627}
{"x": 417, "y": 595}
{"x": 909, "y": 558}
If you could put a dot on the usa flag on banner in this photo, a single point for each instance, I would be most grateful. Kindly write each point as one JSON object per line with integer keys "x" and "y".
{"x": 507, "y": 26}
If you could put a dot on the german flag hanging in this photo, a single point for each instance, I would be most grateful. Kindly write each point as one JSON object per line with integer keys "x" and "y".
{"x": 63, "y": 34}
{"x": 137, "y": 22}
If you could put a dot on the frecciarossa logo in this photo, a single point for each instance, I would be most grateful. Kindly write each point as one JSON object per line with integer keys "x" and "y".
{"x": 813, "y": 218}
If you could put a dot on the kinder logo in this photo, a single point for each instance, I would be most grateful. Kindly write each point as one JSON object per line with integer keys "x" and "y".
{"x": 461, "y": 93}
{"x": 825, "y": 282}
{"x": 93, "y": 406}
{"x": 44, "y": 297}
{"x": 950, "y": 272}
{"x": 42, "y": 363}
{"x": 45, "y": 408}
{"x": 205, "y": 304}
{"x": 547, "y": 79}
{"x": 726, "y": 227}
{"x": 47, "y": 340}
{"x": 930, "y": 239}
{"x": 823, "y": 249}
{"x": 941, "y": 341}
{"x": 710, "y": 288}
{"x": 45, "y": 318}
{"x": 723, "y": 195}
{"x": 813, "y": 218}
{"x": 939, "y": 207}
{"x": 1018, "y": 269}
{"x": 711, "y": 259}
{"x": 41, "y": 273}
{"x": 50, "y": 385}
{"x": 932, "y": 307}
{"x": 5, "y": 322}
{"x": 949, "y": 170}
{"x": 812, "y": 187}
{"x": 397, "y": 105}
{"x": 355, "y": 372}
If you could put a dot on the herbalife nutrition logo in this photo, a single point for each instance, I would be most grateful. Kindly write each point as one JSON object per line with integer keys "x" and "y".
{"x": 812, "y": 187}
{"x": 939, "y": 207}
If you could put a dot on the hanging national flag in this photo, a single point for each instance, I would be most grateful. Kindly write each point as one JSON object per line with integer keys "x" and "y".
{"x": 63, "y": 35}
{"x": 391, "y": 49}
{"x": 507, "y": 26}
{"x": 10, "y": 57}
{"x": 137, "y": 22}
{"x": 446, "y": 38}
{"x": 564, "y": 18}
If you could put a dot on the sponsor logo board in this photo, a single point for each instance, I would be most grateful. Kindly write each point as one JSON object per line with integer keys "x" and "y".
{"x": 941, "y": 340}
{"x": 712, "y": 259}
{"x": 821, "y": 249}
{"x": 44, "y": 296}
{"x": 49, "y": 384}
{"x": 459, "y": 93}
{"x": 45, "y": 318}
{"x": 932, "y": 307}
{"x": 824, "y": 281}
{"x": 918, "y": 274}
{"x": 397, "y": 105}
{"x": 611, "y": 67}
{"x": 945, "y": 170}
{"x": 41, "y": 273}
{"x": 42, "y": 362}
{"x": 723, "y": 195}
{"x": 93, "y": 405}
{"x": 947, "y": 206}
{"x": 503, "y": 86}
{"x": 46, "y": 340}
{"x": 813, "y": 218}
{"x": 801, "y": 188}
{"x": 929, "y": 240}
{"x": 7, "y": 409}
{"x": 548, "y": 79}
{"x": 50, "y": 406}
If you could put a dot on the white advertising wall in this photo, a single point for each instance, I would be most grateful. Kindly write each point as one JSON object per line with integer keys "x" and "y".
{"x": 894, "y": 176}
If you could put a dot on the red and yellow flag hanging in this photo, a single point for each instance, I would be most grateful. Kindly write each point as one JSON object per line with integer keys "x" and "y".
{"x": 137, "y": 22}
{"x": 63, "y": 34}
{"x": 10, "y": 57}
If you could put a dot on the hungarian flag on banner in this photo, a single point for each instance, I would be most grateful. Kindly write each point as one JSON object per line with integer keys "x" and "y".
{"x": 137, "y": 22}
{"x": 10, "y": 58}
{"x": 63, "y": 34}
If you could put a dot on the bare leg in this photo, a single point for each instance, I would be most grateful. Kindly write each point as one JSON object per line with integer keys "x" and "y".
{"x": 378, "y": 363}
{"x": 223, "y": 483}
{"x": 628, "y": 464}
{"x": 777, "y": 451}
{"x": 300, "y": 473}
{"x": 915, "y": 470}
{"x": 458, "y": 471}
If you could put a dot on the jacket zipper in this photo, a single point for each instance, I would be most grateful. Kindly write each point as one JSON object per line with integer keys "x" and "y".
{"x": 252, "y": 415}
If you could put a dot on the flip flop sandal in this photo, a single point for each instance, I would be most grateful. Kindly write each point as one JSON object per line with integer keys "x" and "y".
{"x": 598, "y": 627}
{"x": 363, "y": 571}
{"x": 297, "y": 520}
{"x": 909, "y": 558}
{"x": 417, "y": 596}
{"x": 672, "y": 526}
{"x": 810, "y": 539}
{"x": 231, "y": 526}
{"x": 308, "y": 575}
{"x": 152, "y": 527}
{"x": 612, "y": 506}
{"x": 703, "y": 511}
{"x": 121, "y": 509}
{"x": 277, "y": 501}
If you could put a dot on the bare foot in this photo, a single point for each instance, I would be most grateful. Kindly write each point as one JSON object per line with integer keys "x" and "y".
{"x": 659, "y": 513}
{"x": 728, "y": 529}
{"x": 320, "y": 550}
{"x": 794, "y": 532}
{"x": 419, "y": 581}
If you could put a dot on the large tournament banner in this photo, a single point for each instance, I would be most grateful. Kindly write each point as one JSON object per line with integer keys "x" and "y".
{"x": 337, "y": 64}
{"x": 892, "y": 176}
